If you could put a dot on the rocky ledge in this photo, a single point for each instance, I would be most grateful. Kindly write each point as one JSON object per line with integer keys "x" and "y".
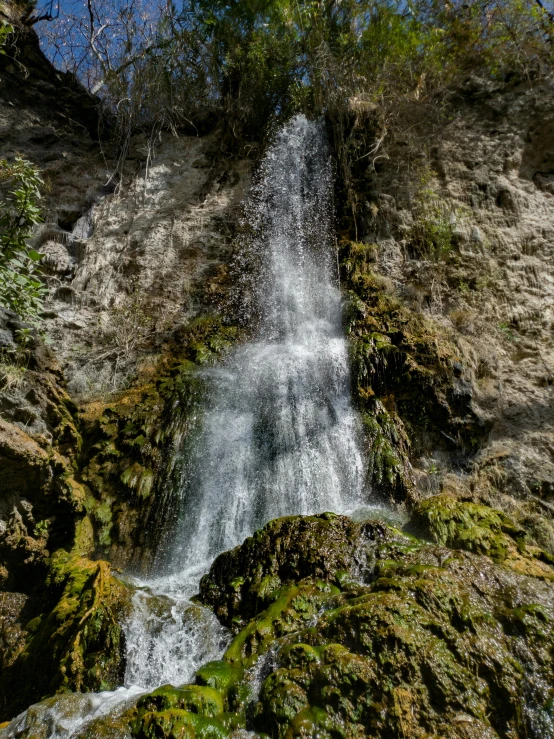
{"x": 346, "y": 628}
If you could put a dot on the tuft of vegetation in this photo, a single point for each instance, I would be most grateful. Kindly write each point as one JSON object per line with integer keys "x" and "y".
{"x": 21, "y": 287}
{"x": 432, "y": 231}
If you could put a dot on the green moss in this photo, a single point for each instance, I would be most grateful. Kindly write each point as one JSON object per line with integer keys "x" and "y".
{"x": 218, "y": 675}
{"x": 128, "y": 438}
{"x": 178, "y": 724}
{"x": 387, "y": 448}
{"x": 432, "y": 635}
{"x": 138, "y": 478}
{"x": 480, "y": 529}
{"x": 256, "y": 578}
{"x": 198, "y": 699}
{"x": 426, "y": 641}
{"x": 405, "y": 371}
{"x": 212, "y": 708}
{"x": 79, "y": 644}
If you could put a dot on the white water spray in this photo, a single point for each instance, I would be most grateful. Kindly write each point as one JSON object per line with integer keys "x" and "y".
{"x": 280, "y": 436}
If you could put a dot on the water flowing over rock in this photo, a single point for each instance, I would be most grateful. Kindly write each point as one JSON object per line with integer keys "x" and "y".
{"x": 287, "y": 619}
{"x": 279, "y": 434}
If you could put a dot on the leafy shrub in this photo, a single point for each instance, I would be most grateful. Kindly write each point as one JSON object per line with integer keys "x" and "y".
{"x": 21, "y": 288}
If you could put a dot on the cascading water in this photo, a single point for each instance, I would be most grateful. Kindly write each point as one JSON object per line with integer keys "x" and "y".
{"x": 279, "y": 434}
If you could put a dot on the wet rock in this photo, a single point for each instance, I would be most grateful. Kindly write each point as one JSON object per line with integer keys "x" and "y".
{"x": 245, "y": 580}
{"x": 480, "y": 529}
{"x": 422, "y": 641}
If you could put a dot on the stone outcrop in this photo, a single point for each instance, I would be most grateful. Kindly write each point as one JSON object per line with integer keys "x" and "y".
{"x": 358, "y": 629}
{"x": 40, "y": 499}
{"x": 71, "y": 641}
{"x": 449, "y": 276}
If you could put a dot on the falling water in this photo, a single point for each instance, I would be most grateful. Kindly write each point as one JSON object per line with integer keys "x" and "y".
{"x": 279, "y": 434}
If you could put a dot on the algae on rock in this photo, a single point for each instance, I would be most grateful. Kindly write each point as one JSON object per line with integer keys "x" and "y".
{"x": 358, "y": 629}
{"x": 76, "y": 645}
{"x": 407, "y": 379}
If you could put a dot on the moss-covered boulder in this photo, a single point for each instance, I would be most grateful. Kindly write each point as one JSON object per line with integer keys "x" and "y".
{"x": 350, "y": 629}
{"x": 246, "y": 580}
{"x": 191, "y": 711}
{"x": 78, "y": 645}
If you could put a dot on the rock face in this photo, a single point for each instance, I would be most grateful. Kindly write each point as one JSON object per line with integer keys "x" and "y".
{"x": 448, "y": 270}
{"x": 135, "y": 244}
{"x": 136, "y": 247}
{"x": 357, "y": 629}
{"x": 40, "y": 498}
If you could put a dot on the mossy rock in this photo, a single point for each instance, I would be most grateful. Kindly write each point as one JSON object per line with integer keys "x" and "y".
{"x": 200, "y": 699}
{"x": 219, "y": 675}
{"x": 189, "y": 711}
{"x": 348, "y": 629}
{"x": 79, "y": 645}
{"x": 477, "y": 528}
{"x": 246, "y": 580}
{"x": 178, "y": 724}
{"x": 130, "y": 441}
{"x": 422, "y": 641}
{"x": 408, "y": 377}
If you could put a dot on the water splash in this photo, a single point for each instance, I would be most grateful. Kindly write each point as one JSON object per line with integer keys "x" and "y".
{"x": 169, "y": 637}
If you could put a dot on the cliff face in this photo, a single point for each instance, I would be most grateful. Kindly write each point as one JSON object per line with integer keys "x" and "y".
{"x": 136, "y": 245}
{"x": 453, "y": 325}
{"x": 448, "y": 281}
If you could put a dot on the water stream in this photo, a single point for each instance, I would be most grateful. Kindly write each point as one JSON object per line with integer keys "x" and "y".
{"x": 279, "y": 435}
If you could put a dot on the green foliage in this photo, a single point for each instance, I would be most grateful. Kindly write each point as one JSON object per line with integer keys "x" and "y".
{"x": 21, "y": 288}
{"x": 433, "y": 226}
{"x": 264, "y": 59}
{"x": 5, "y": 31}
{"x": 41, "y": 529}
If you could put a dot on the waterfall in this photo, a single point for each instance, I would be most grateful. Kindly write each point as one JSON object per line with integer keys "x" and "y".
{"x": 279, "y": 435}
